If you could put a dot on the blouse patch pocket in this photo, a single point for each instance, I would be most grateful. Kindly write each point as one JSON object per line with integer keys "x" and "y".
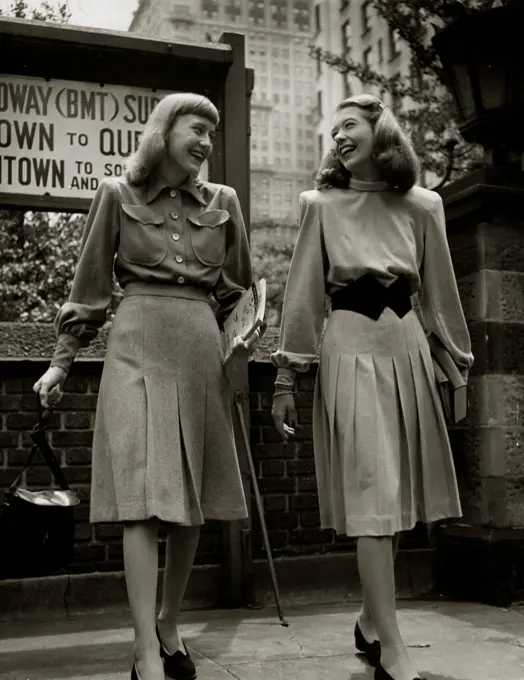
{"x": 142, "y": 239}
{"x": 208, "y": 236}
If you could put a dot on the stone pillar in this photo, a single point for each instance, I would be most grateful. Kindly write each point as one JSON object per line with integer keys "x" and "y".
{"x": 481, "y": 557}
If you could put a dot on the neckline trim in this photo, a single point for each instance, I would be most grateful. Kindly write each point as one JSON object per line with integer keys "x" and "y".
{"x": 361, "y": 185}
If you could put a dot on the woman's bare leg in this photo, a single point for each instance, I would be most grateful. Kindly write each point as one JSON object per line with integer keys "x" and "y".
{"x": 141, "y": 569}
{"x": 182, "y": 544}
{"x": 376, "y": 568}
{"x": 365, "y": 620}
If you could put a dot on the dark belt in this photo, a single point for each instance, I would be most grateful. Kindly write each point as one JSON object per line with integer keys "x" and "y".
{"x": 368, "y": 296}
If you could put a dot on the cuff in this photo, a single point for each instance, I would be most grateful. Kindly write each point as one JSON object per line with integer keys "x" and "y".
{"x": 65, "y": 352}
{"x": 287, "y": 374}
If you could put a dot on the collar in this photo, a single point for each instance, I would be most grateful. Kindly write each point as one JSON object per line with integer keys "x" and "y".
{"x": 360, "y": 185}
{"x": 157, "y": 183}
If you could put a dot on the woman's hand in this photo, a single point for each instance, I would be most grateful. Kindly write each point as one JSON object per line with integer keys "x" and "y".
{"x": 284, "y": 415}
{"x": 50, "y": 385}
{"x": 244, "y": 348}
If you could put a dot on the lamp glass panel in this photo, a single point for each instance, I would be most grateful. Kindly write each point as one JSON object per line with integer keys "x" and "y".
{"x": 492, "y": 76}
{"x": 463, "y": 90}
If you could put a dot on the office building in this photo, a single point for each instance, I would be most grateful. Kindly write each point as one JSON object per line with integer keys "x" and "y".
{"x": 352, "y": 28}
{"x": 277, "y": 35}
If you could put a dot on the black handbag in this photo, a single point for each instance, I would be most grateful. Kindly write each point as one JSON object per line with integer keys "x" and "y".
{"x": 37, "y": 528}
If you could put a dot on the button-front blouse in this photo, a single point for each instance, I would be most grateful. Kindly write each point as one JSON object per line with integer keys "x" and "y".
{"x": 192, "y": 235}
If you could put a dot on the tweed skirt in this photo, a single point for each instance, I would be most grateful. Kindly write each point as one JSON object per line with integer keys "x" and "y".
{"x": 382, "y": 453}
{"x": 163, "y": 441}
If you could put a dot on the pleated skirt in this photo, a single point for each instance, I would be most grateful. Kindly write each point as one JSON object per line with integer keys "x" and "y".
{"x": 163, "y": 439}
{"x": 382, "y": 453}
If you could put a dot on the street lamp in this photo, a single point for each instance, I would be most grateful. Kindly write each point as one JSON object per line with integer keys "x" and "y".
{"x": 482, "y": 57}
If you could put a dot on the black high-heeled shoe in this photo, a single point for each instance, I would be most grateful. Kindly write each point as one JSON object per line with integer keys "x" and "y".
{"x": 177, "y": 666}
{"x": 371, "y": 650}
{"x": 381, "y": 674}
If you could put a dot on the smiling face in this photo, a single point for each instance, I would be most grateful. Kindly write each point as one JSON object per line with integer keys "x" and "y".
{"x": 190, "y": 142}
{"x": 354, "y": 138}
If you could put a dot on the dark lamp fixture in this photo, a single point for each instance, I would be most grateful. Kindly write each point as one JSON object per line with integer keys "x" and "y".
{"x": 482, "y": 54}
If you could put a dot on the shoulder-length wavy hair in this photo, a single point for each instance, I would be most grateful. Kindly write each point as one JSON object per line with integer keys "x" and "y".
{"x": 152, "y": 145}
{"x": 394, "y": 154}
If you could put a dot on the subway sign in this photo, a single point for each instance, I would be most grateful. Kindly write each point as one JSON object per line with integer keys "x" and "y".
{"x": 60, "y": 138}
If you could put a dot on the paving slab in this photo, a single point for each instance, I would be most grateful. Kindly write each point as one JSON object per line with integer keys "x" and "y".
{"x": 448, "y": 641}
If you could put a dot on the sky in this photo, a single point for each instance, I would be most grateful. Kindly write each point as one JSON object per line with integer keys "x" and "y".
{"x": 111, "y": 14}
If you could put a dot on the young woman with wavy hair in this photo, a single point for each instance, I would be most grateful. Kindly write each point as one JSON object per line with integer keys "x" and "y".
{"x": 370, "y": 238}
{"x": 163, "y": 447}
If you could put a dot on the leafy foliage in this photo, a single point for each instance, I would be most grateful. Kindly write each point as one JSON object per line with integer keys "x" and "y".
{"x": 428, "y": 112}
{"x": 271, "y": 251}
{"x": 58, "y": 13}
{"x": 38, "y": 252}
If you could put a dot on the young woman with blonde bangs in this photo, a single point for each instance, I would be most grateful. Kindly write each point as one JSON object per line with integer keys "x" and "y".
{"x": 370, "y": 238}
{"x": 163, "y": 449}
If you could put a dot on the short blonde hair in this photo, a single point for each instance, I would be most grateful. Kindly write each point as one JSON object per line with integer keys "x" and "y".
{"x": 394, "y": 154}
{"x": 152, "y": 144}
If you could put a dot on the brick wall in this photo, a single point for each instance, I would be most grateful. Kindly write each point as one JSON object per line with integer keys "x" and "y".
{"x": 286, "y": 472}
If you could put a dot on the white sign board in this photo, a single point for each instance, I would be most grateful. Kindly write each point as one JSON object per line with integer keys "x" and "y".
{"x": 61, "y": 137}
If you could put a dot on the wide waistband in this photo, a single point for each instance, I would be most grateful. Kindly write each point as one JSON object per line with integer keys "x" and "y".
{"x": 166, "y": 290}
{"x": 369, "y": 296}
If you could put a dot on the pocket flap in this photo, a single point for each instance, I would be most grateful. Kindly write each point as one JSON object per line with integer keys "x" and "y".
{"x": 210, "y": 218}
{"x": 142, "y": 214}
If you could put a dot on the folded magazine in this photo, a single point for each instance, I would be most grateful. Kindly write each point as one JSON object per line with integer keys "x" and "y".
{"x": 246, "y": 317}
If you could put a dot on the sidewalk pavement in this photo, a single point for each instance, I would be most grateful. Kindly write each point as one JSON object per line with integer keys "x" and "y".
{"x": 447, "y": 640}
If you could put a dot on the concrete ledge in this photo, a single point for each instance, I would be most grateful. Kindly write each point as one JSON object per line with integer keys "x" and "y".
{"x": 36, "y": 342}
{"x": 334, "y": 578}
{"x": 306, "y": 579}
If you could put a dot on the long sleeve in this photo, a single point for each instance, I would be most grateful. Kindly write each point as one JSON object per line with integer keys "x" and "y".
{"x": 236, "y": 275}
{"x": 304, "y": 298}
{"x": 80, "y": 318}
{"x": 439, "y": 299}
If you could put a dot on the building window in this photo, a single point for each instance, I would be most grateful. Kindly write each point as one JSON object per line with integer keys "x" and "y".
{"x": 317, "y": 19}
{"x": 380, "y": 51}
{"x": 278, "y": 12}
{"x": 367, "y": 57}
{"x": 319, "y": 66}
{"x": 394, "y": 48}
{"x": 366, "y": 18}
{"x": 319, "y": 103}
{"x": 210, "y": 8}
{"x": 256, "y": 12}
{"x": 346, "y": 37}
{"x": 320, "y": 146}
{"x": 301, "y": 15}
{"x": 233, "y": 10}
{"x": 347, "y": 85}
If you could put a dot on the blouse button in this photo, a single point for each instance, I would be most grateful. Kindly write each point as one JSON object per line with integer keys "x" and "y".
{"x": 176, "y": 237}
{"x": 178, "y": 259}
{"x": 174, "y": 215}
{"x": 180, "y": 279}
{"x": 172, "y": 193}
